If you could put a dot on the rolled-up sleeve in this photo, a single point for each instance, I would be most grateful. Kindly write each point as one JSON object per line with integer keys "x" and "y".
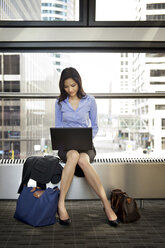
{"x": 93, "y": 116}
{"x": 58, "y": 115}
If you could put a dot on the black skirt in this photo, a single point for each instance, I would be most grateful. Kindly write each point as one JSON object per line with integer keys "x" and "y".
{"x": 78, "y": 170}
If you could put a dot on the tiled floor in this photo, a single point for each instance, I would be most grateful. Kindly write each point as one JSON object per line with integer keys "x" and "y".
{"x": 89, "y": 228}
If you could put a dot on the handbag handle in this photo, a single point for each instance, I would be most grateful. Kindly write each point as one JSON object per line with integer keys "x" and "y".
{"x": 38, "y": 193}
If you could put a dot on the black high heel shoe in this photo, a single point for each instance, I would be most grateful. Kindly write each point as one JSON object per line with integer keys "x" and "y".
{"x": 66, "y": 222}
{"x": 113, "y": 223}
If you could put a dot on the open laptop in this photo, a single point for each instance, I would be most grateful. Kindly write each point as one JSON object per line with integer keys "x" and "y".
{"x": 71, "y": 138}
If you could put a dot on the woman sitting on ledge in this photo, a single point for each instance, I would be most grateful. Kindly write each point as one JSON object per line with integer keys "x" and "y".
{"x": 74, "y": 108}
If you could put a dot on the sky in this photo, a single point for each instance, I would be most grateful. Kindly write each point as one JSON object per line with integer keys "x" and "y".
{"x": 115, "y": 10}
{"x": 99, "y": 72}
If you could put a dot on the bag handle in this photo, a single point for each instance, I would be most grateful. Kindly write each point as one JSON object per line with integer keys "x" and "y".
{"x": 55, "y": 188}
{"x": 38, "y": 193}
{"x": 118, "y": 191}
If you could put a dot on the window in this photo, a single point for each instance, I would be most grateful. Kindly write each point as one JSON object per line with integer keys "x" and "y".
{"x": 163, "y": 143}
{"x": 157, "y": 73}
{"x": 11, "y": 86}
{"x": 11, "y": 134}
{"x": 122, "y": 65}
{"x": 155, "y": 17}
{"x": 11, "y": 64}
{"x": 156, "y": 6}
{"x": 160, "y": 107}
{"x": 157, "y": 83}
{"x": 163, "y": 124}
{"x": 11, "y": 115}
{"x": 124, "y": 124}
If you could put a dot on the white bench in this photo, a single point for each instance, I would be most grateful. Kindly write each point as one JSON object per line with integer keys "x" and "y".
{"x": 140, "y": 178}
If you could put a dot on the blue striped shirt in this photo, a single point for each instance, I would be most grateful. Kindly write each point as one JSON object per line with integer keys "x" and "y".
{"x": 84, "y": 116}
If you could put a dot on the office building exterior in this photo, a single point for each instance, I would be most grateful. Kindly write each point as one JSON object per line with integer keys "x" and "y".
{"x": 149, "y": 76}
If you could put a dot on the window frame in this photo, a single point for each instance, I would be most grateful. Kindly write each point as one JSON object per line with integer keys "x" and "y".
{"x": 87, "y": 20}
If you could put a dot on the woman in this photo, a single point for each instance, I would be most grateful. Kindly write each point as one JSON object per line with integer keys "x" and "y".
{"x": 74, "y": 108}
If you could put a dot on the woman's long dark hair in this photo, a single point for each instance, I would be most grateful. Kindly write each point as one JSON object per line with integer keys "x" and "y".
{"x": 70, "y": 73}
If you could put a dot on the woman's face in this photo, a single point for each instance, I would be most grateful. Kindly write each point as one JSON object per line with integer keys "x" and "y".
{"x": 71, "y": 87}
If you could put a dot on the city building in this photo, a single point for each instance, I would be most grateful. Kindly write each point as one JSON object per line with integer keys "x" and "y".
{"x": 149, "y": 76}
{"x": 142, "y": 120}
{"x": 23, "y": 123}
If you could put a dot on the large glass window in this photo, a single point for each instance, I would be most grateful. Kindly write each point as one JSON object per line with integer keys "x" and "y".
{"x": 129, "y": 10}
{"x": 127, "y": 126}
{"x": 37, "y": 10}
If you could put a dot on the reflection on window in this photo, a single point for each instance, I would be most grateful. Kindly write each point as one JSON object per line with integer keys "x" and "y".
{"x": 36, "y": 10}
{"x": 129, "y": 10}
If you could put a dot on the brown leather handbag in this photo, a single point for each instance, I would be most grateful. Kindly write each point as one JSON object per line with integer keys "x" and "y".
{"x": 124, "y": 206}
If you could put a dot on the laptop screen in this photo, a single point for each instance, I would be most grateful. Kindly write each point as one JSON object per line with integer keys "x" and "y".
{"x": 71, "y": 138}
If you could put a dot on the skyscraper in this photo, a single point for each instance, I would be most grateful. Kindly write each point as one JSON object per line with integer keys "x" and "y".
{"x": 150, "y": 77}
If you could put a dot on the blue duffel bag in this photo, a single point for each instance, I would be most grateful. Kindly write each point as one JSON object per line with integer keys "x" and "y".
{"x": 37, "y": 207}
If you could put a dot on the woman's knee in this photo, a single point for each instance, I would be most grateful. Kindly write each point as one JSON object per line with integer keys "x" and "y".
{"x": 83, "y": 161}
{"x": 73, "y": 156}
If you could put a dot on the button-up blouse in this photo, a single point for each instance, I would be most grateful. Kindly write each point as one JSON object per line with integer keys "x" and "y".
{"x": 84, "y": 116}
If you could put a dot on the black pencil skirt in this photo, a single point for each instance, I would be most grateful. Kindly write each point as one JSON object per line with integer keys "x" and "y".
{"x": 78, "y": 171}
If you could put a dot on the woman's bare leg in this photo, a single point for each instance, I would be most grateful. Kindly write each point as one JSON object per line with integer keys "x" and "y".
{"x": 94, "y": 181}
{"x": 67, "y": 176}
